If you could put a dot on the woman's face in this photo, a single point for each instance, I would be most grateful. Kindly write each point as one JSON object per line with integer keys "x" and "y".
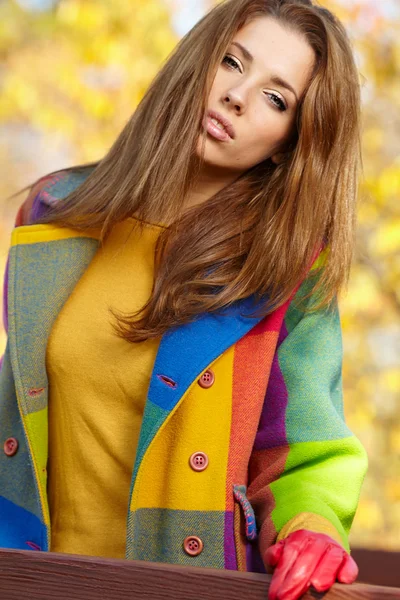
{"x": 255, "y": 93}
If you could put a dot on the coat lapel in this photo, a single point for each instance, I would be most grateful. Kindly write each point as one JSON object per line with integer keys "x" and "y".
{"x": 45, "y": 264}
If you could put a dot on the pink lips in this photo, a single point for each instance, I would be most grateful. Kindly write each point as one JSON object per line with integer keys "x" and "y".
{"x": 224, "y": 135}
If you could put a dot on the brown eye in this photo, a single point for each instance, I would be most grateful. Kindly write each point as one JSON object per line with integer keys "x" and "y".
{"x": 233, "y": 64}
{"x": 278, "y": 102}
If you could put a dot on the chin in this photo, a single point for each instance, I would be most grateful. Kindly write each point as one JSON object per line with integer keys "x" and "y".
{"x": 216, "y": 165}
{"x": 212, "y": 160}
{"x": 215, "y": 157}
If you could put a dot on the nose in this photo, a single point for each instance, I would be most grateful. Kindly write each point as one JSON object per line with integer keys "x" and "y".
{"x": 234, "y": 99}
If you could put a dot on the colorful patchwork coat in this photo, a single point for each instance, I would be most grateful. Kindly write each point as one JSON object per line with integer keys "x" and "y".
{"x": 280, "y": 455}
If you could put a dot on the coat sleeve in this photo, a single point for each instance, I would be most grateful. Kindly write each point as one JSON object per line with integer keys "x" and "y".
{"x": 306, "y": 467}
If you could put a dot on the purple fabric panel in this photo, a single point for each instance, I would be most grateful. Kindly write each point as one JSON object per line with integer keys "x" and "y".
{"x": 38, "y": 209}
{"x": 254, "y": 562}
{"x": 229, "y": 543}
{"x": 5, "y": 298}
{"x": 272, "y": 429}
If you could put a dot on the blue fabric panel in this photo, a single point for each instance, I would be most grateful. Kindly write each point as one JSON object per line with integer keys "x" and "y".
{"x": 69, "y": 182}
{"x": 18, "y": 526}
{"x": 186, "y": 351}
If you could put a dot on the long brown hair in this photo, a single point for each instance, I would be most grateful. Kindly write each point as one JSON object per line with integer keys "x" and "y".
{"x": 259, "y": 234}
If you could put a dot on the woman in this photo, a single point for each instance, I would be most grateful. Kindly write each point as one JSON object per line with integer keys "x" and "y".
{"x": 172, "y": 316}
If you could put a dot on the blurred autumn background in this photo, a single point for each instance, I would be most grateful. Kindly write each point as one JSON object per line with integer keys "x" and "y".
{"x": 71, "y": 74}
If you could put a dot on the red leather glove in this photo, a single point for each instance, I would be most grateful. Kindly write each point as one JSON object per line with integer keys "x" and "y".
{"x": 306, "y": 559}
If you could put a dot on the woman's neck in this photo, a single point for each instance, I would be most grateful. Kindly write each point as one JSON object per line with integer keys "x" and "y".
{"x": 208, "y": 184}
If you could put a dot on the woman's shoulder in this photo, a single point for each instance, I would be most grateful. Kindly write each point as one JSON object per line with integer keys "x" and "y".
{"x": 62, "y": 183}
{"x": 49, "y": 190}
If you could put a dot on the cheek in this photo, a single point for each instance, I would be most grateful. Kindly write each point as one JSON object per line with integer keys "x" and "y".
{"x": 221, "y": 84}
{"x": 259, "y": 138}
{"x": 264, "y": 135}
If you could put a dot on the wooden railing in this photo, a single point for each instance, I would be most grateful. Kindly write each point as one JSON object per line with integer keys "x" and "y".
{"x": 378, "y": 567}
{"x": 47, "y": 576}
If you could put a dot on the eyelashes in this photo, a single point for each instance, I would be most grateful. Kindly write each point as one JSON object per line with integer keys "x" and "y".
{"x": 278, "y": 101}
{"x": 275, "y": 99}
{"x": 233, "y": 62}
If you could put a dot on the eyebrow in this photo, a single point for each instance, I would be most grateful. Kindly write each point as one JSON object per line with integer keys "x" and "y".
{"x": 275, "y": 78}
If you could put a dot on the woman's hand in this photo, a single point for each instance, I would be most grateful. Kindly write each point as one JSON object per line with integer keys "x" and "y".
{"x": 306, "y": 559}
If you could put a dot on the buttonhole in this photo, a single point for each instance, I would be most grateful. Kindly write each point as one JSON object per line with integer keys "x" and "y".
{"x": 168, "y": 381}
{"x": 33, "y": 545}
{"x": 34, "y": 392}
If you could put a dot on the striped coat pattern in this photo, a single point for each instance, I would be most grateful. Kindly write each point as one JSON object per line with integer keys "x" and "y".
{"x": 280, "y": 455}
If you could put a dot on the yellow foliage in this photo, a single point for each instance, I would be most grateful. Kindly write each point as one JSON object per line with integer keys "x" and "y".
{"x": 395, "y": 440}
{"x": 391, "y": 380}
{"x": 393, "y": 490}
{"x": 373, "y": 139}
{"x": 363, "y": 294}
{"x": 369, "y": 514}
{"x": 387, "y": 238}
{"x": 389, "y": 181}
{"x": 96, "y": 60}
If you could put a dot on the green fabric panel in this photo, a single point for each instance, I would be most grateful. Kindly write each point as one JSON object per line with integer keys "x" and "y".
{"x": 310, "y": 359}
{"x": 42, "y": 276}
{"x": 157, "y": 535}
{"x": 300, "y": 303}
{"x": 322, "y": 478}
{"x": 37, "y": 428}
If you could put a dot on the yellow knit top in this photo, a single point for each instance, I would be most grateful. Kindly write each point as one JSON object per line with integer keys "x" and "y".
{"x": 98, "y": 385}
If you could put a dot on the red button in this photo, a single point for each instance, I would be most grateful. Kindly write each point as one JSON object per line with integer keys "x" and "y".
{"x": 207, "y": 379}
{"x": 10, "y": 447}
{"x": 198, "y": 461}
{"x": 193, "y": 545}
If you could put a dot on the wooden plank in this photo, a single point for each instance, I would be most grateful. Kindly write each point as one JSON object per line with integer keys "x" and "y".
{"x": 378, "y": 567}
{"x": 45, "y": 576}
